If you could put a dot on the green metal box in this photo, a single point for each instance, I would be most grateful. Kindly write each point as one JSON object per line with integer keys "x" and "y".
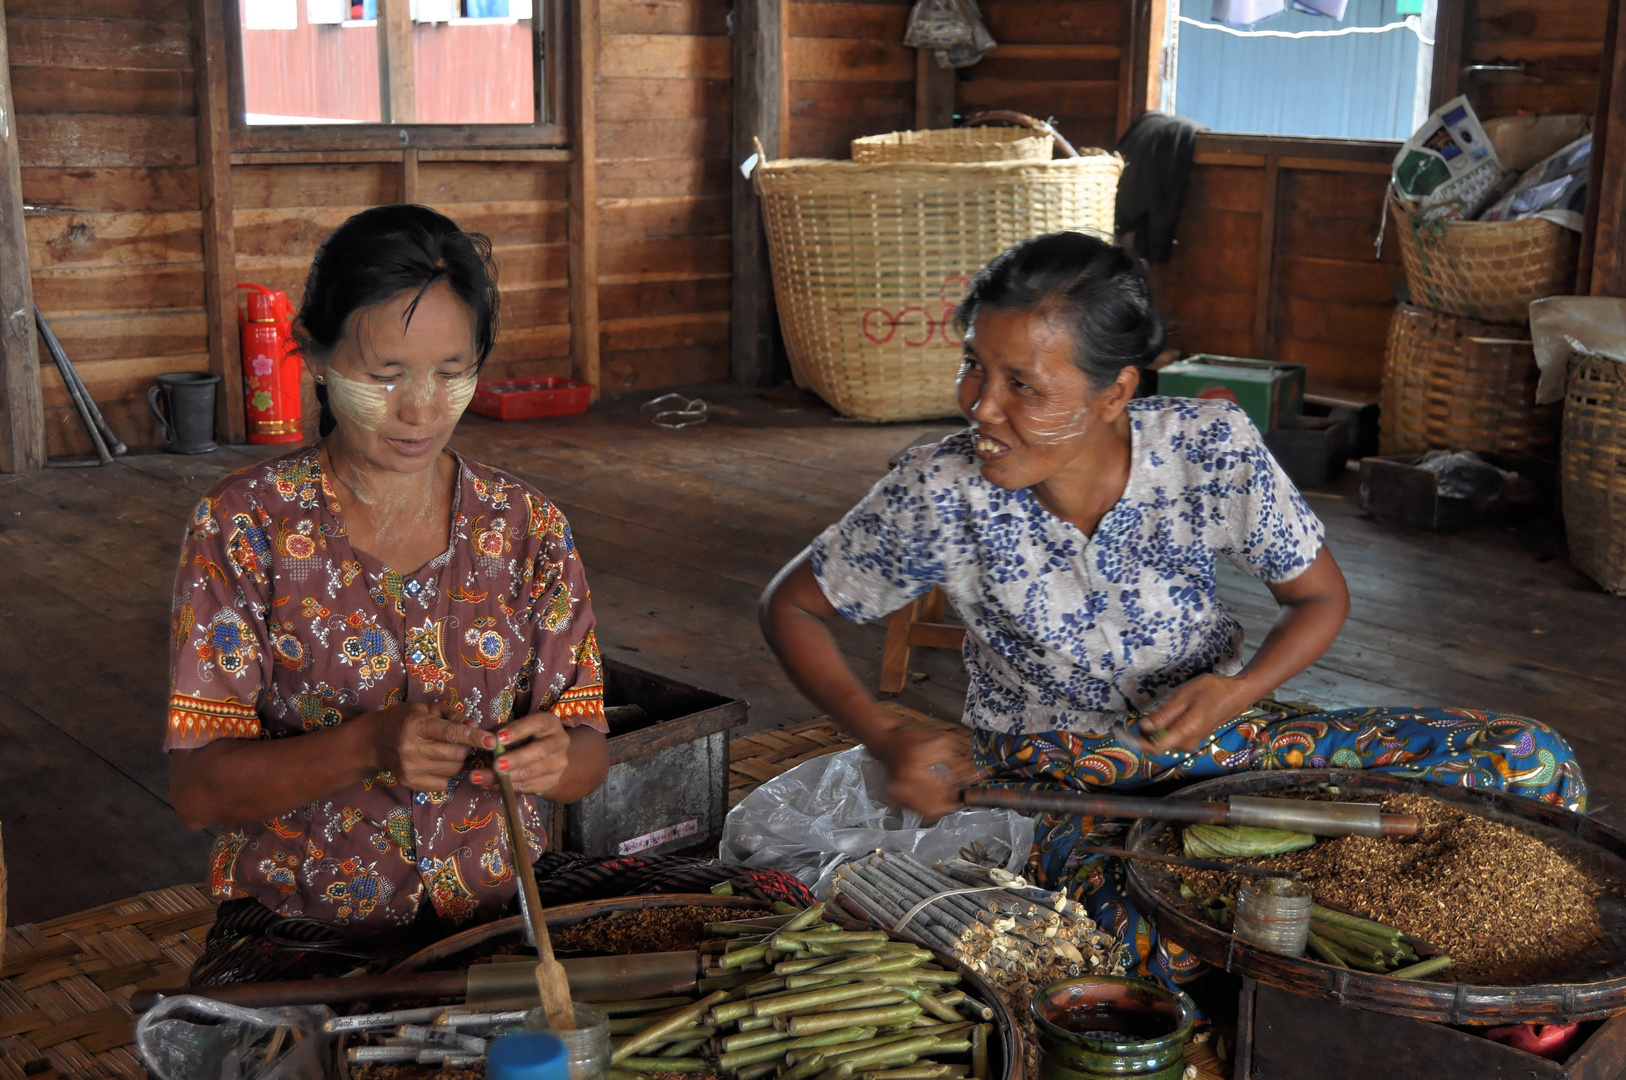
{"x": 1270, "y": 392}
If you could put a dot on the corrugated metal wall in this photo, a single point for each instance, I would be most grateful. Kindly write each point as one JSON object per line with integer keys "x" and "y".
{"x": 1356, "y": 87}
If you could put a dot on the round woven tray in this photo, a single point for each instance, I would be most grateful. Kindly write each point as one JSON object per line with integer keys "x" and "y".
{"x": 1597, "y": 990}
{"x": 1487, "y": 270}
{"x": 1451, "y": 383}
{"x": 869, "y": 261}
{"x": 1594, "y": 469}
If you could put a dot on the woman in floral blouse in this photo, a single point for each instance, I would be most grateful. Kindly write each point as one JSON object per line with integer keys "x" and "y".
{"x": 365, "y": 629}
{"x": 1076, "y": 530}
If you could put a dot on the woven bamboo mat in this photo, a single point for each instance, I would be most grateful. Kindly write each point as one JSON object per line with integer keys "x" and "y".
{"x": 65, "y": 984}
{"x": 756, "y": 759}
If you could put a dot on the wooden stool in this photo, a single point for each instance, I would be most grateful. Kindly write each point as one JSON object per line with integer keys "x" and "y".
{"x": 917, "y": 623}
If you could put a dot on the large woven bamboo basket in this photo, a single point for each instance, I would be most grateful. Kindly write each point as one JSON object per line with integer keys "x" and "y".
{"x": 1451, "y": 383}
{"x": 870, "y": 259}
{"x": 956, "y": 144}
{"x": 1487, "y": 270}
{"x": 1594, "y": 469}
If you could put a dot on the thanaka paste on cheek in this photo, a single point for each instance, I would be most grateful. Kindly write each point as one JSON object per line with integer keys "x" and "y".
{"x": 459, "y": 392}
{"x": 365, "y": 404}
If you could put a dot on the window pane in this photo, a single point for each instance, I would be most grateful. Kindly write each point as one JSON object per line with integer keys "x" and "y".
{"x": 1358, "y": 86}
{"x": 316, "y": 62}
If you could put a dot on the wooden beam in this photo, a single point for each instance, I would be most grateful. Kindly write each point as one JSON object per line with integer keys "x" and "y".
{"x": 397, "y": 82}
{"x": 1603, "y": 242}
{"x": 22, "y": 444}
{"x": 583, "y": 216}
{"x": 934, "y": 92}
{"x": 1264, "y": 344}
{"x": 1450, "y": 27}
{"x": 758, "y": 113}
{"x": 1134, "y": 71}
{"x": 406, "y": 180}
{"x": 211, "y": 81}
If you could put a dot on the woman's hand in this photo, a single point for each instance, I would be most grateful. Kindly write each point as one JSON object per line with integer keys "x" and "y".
{"x": 1193, "y": 711}
{"x": 423, "y": 746}
{"x": 547, "y": 759}
{"x": 538, "y": 760}
{"x": 928, "y": 769}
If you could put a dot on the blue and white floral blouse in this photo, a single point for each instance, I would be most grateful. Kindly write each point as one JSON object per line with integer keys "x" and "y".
{"x": 1068, "y": 632}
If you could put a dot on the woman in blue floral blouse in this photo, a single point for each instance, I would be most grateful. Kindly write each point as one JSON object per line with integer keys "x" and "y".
{"x": 1076, "y": 530}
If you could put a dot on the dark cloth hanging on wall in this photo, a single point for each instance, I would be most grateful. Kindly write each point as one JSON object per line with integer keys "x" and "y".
{"x": 1157, "y": 151}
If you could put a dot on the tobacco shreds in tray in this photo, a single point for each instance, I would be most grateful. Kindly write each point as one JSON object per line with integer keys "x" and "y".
{"x": 646, "y": 930}
{"x": 408, "y": 1071}
{"x": 1506, "y": 907}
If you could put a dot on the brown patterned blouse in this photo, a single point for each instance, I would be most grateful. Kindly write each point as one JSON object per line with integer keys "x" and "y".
{"x": 281, "y": 627}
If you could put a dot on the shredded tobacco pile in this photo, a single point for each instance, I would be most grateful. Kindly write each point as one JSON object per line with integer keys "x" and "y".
{"x": 393, "y": 1071}
{"x": 1503, "y": 905}
{"x": 649, "y": 930}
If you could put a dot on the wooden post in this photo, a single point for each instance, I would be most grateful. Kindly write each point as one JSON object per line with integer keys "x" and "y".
{"x": 22, "y": 447}
{"x": 1603, "y": 243}
{"x": 934, "y": 92}
{"x": 1264, "y": 336}
{"x": 758, "y": 103}
{"x": 397, "y": 84}
{"x": 210, "y": 80}
{"x": 583, "y": 215}
{"x": 406, "y": 181}
{"x": 1449, "y": 28}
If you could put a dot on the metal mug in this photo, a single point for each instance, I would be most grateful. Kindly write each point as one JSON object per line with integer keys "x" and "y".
{"x": 184, "y": 403}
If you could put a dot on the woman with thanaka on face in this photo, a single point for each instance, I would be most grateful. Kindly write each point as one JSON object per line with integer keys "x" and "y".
{"x": 1076, "y": 529}
{"x": 367, "y": 630}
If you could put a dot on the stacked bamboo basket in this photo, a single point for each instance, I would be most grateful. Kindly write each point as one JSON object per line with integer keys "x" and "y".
{"x": 870, "y": 256}
{"x": 1460, "y": 373}
{"x": 1594, "y": 469}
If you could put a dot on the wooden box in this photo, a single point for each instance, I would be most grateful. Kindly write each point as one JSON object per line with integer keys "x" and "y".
{"x": 667, "y": 789}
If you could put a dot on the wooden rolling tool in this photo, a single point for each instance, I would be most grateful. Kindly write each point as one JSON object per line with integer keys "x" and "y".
{"x": 1295, "y": 815}
{"x": 551, "y": 982}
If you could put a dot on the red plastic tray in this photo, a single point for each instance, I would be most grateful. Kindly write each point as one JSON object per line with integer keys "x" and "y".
{"x": 525, "y": 399}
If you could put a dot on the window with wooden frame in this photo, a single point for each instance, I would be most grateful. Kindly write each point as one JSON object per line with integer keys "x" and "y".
{"x": 1334, "y": 69}
{"x": 316, "y": 75}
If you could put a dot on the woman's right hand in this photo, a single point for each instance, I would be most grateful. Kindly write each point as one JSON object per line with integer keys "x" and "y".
{"x": 424, "y": 745}
{"x": 928, "y": 769}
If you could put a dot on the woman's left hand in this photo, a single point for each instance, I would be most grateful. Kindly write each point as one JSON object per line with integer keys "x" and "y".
{"x": 538, "y": 760}
{"x": 1193, "y": 711}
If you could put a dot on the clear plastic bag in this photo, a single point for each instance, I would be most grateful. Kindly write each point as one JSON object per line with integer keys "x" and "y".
{"x": 810, "y": 820}
{"x": 197, "y": 1038}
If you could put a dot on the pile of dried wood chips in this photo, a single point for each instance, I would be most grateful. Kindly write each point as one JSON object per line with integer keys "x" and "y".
{"x": 1505, "y": 906}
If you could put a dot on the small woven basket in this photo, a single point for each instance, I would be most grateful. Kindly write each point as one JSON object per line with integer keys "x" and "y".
{"x": 1594, "y": 469}
{"x": 956, "y": 144}
{"x": 1487, "y": 270}
{"x": 869, "y": 261}
{"x": 1451, "y": 383}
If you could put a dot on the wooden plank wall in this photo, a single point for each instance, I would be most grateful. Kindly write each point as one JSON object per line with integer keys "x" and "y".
{"x": 109, "y": 151}
{"x": 106, "y": 106}
{"x": 847, "y": 75}
{"x": 1060, "y": 60}
{"x": 1307, "y": 288}
{"x": 663, "y": 192}
{"x": 1559, "y": 45}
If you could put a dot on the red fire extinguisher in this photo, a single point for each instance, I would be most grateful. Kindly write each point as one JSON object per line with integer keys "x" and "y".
{"x": 271, "y": 367}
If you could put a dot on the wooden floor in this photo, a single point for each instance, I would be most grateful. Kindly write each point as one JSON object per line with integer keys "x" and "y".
{"x": 680, "y": 530}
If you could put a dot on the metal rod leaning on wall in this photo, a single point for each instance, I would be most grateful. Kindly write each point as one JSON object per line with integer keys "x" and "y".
{"x": 98, "y": 427}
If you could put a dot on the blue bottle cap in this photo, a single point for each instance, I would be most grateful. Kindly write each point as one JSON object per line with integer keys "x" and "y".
{"x": 528, "y": 1056}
